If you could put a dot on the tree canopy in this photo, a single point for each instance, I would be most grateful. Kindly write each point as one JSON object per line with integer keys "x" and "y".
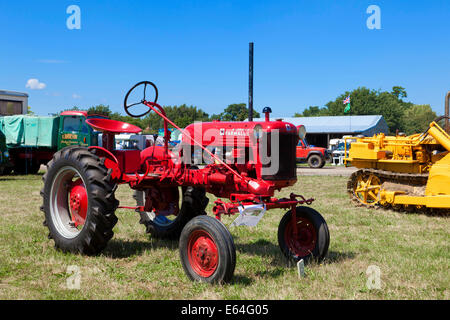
{"x": 235, "y": 112}
{"x": 399, "y": 115}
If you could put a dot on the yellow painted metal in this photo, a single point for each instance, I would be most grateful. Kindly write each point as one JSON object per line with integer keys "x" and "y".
{"x": 417, "y": 154}
{"x": 393, "y": 197}
{"x": 440, "y": 135}
{"x": 367, "y": 188}
{"x": 439, "y": 178}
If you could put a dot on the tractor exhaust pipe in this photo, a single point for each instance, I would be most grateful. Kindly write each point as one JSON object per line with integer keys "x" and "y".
{"x": 250, "y": 82}
{"x": 447, "y": 102}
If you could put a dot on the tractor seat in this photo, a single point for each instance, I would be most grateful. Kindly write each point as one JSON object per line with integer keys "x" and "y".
{"x": 112, "y": 126}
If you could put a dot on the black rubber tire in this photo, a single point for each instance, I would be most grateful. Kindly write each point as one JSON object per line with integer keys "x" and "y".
{"x": 225, "y": 248}
{"x": 323, "y": 163}
{"x": 193, "y": 204}
{"x": 315, "y": 161}
{"x": 322, "y": 235}
{"x": 100, "y": 217}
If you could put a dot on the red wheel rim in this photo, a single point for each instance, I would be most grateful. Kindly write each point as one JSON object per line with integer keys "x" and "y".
{"x": 78, "y": 201}
{"x": 202, "y": 253}
{"x": 304, "y": 242}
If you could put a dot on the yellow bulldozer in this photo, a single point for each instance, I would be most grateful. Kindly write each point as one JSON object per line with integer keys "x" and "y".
{"x": 409, "y": 173}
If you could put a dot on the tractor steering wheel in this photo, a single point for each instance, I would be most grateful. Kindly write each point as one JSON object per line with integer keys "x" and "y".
{"x": 128, "y": 106}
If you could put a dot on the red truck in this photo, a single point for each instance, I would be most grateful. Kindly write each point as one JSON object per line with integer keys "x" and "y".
{"x": 316, "y": 157}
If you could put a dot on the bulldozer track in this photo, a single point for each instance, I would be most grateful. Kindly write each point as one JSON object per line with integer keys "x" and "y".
{"x": 406, "y": 179}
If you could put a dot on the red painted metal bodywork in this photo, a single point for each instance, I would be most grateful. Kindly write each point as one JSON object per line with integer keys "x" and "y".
{"x": 78, "y": 201}
{"x": 300, "y": 236}
{"x": 158, "y": 171}
{"x": 75, "y": 113}
{"x": 222, "y": 133}
{"x": 112, "y": 126}
{"x": 203, "y": 254}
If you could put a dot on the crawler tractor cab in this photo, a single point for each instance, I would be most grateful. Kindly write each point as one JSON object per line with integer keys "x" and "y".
{"x": 170, "y": 192}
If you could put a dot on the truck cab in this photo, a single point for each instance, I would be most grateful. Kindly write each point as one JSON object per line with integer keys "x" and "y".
{"x": 73, "y": 129}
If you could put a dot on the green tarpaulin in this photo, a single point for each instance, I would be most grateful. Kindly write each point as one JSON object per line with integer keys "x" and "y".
{"x": 29, "y": 131}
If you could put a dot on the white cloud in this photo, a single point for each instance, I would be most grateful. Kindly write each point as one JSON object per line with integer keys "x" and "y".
{"x": 34, "y": 84}
{"x": 76, "y": 96}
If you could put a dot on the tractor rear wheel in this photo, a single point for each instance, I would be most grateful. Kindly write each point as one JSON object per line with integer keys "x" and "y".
{"x": 311, "y": 239}
{"x": 193, "y": 203}
{"x": 207, "y": 250}
{"x": 315, "y": 161}
{"x": 78, "y": 201}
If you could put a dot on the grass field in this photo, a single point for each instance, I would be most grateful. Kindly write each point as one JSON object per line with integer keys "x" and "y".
{"x": 411, "y": 251}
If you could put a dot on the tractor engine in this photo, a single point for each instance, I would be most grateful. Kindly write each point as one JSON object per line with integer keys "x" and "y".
{"x": 262, "y": 150}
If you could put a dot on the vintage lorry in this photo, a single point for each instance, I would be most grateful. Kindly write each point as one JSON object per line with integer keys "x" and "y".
{"x": 30, "y": 141}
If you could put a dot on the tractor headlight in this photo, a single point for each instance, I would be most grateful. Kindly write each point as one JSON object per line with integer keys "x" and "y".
{"x": 257, "y": 131}
{"x": 301, "y": 132}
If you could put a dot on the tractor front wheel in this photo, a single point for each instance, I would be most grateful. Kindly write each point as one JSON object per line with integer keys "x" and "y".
{"x": 307, "y": 237}
{"x": 78, "y": 201}
{"x": 207, "y": 250}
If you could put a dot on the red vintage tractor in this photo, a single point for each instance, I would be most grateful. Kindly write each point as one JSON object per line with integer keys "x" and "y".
{"x": 247, "y": 163}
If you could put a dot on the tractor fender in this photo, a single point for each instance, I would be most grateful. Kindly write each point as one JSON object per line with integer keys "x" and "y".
{"x": 157, "y": 153}
{"x": 111, "y": 161}
{"x": 315, "y": 152}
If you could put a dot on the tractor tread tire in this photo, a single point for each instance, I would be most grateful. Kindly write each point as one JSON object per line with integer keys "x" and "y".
{"x": 101, "y": 218}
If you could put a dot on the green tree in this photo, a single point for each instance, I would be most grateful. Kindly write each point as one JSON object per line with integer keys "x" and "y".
{"x": 365, "y": 101}
{"x": 235, "y": 112}
{"x": 100, "y": 109}
{"x": 313, "y": 111}
{"x": 399, "y": 92}
{"x": 417, "y": 118}
{"x": 30, "y": 112}
{"x": 182, "y": 116}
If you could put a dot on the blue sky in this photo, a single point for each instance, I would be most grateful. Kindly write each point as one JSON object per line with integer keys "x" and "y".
{"x": 306, "y": 52}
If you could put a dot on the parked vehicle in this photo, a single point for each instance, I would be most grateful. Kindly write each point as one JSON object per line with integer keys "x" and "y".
{"x": 402, "y": 172}
{"x": 339, "y": 149}
{"x": 316, "y": 157}
{"x": 130, "y": 141}
{"x": 32, "y": 140}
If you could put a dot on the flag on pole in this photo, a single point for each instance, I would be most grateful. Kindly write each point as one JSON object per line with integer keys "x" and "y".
{"x": 347, "y": 103}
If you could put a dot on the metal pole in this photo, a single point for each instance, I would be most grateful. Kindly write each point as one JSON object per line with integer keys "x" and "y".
{"x": 447, "y": 101}
{"x": 250, "y": 83}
